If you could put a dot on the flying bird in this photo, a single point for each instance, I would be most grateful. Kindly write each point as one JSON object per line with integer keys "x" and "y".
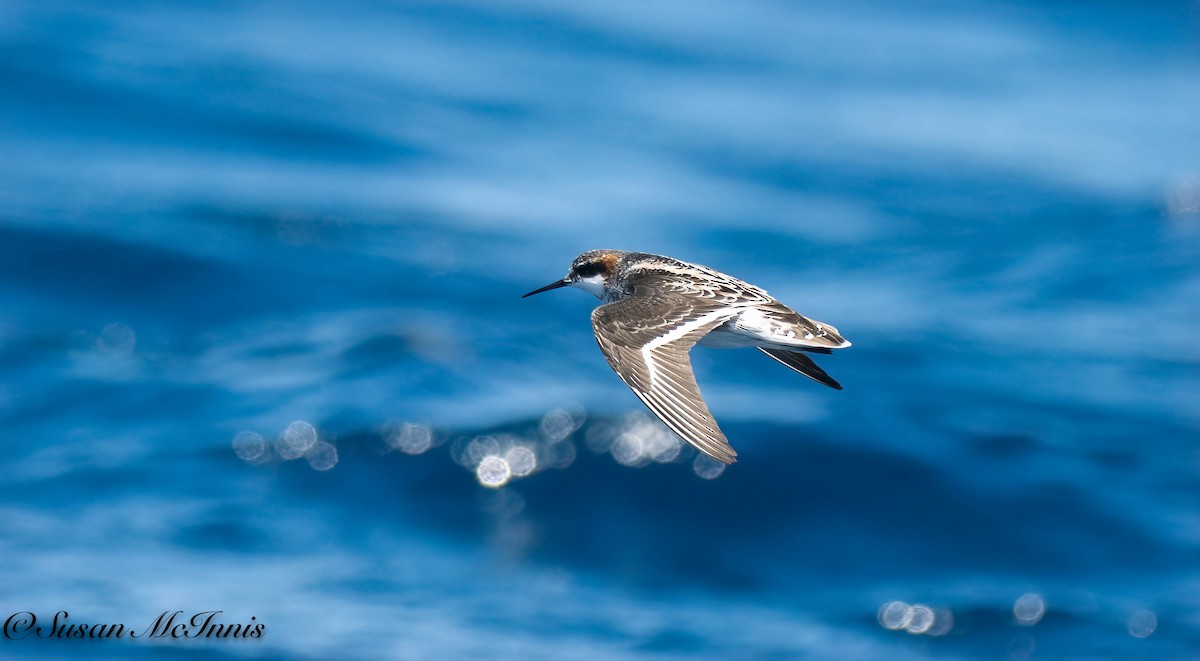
{"x": 656, "y": 308}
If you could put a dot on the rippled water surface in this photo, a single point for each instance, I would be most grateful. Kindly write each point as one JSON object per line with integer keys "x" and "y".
{"x": 262, "y": 348}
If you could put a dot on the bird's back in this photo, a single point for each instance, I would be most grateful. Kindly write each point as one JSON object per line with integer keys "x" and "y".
{"x": 669, "y": 275}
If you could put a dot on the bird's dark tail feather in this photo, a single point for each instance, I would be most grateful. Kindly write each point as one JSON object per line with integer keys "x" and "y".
{"x": 804, "y": 365}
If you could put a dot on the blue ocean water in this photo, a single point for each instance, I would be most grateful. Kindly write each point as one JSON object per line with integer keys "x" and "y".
{"x": 261, "y": 338}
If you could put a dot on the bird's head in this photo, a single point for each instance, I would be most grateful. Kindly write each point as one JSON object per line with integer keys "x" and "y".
{"x": 592, "y": 272}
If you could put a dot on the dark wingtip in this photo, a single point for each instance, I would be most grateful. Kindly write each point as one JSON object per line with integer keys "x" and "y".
{"x": 827, "y": 381}
{"x": 804, "y": 365}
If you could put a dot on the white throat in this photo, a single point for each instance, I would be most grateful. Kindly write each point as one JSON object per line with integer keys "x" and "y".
{"x": 593, "y": 285}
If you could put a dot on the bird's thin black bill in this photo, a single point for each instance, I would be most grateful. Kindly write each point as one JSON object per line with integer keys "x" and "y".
{"x": 552, "y": 285}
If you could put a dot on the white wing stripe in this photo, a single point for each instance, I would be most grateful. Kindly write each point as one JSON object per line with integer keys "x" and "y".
{"x": 676, "y": 333}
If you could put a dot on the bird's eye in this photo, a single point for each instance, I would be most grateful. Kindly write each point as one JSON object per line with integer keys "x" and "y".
{"x": 589, "y": 269}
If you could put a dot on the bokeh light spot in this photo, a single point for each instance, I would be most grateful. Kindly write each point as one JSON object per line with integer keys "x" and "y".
{"x": 561, "y": 423}
{"x": 628, "y": 450}
{"x": 894, "y": 615}
{"x": 920, "y": 619}
{"x": 521, "y": 460}
{"x": 943, "y": 622}
{"x": 1142, "y": 623}
{"x": 409, "y": 438}
{"x": 493, "y": 471}
{"x": 249, "y": 446}
{"x": 916, "y": 619}
{"x": 640, "y": 440}
{"x": 322, "y": 456}
{"x": 1029, "y": 609}
{"x": 296, "y": 440}
{"x": 707, "y": 467}
{"x": 481, "y": 447}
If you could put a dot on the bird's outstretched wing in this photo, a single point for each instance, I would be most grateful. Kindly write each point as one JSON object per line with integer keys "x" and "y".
{"x": 646, "y": 339}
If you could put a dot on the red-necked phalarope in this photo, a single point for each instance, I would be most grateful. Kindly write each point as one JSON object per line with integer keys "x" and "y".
{"x": 655, "y": 308}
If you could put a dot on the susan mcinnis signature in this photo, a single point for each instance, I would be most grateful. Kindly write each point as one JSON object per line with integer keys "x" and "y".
{"x": 24, "y": 625}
